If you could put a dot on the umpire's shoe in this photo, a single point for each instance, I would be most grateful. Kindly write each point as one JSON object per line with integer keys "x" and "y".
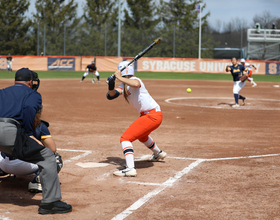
{"x": 57, "y": 207}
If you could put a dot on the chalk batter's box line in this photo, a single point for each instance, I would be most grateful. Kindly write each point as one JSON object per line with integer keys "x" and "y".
{"x": 204, "y": 160}
{"x": 85, "y": 153}
{"x": 170, "y": 182}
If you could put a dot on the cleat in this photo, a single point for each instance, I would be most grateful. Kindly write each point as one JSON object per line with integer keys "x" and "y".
{"x": 93, "y": 81}
{"x": 126, "y": 172}
{"x": 35, "y": 186}
{"x": 244, "y": 101}
{"x": 160, "y": 156}
{"x": 81, "y": 81}
{"x": 235, "y": 106}
{"x": 57, "y": 207}
{"x": 254, "y": 85}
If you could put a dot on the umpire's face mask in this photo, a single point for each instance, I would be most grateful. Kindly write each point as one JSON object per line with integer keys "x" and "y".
{"x": 35, "y": 81}
{"x": 35, "y": 84}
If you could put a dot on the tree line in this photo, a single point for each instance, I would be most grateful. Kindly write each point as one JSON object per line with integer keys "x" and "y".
{"x": 56, "y": 29}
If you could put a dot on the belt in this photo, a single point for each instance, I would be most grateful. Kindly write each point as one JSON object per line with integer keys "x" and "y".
{"x": 10, "y": 120}
{"x": 150, "y": 111}
{"x": 4, "y": 156}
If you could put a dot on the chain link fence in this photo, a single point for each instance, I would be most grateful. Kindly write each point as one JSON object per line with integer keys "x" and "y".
{"x": 85, "y": 41}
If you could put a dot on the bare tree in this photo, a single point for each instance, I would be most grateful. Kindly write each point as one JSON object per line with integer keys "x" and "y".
{"x": 265, "y": 19}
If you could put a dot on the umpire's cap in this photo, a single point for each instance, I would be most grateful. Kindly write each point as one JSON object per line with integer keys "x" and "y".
{"x": 25, "y": 74}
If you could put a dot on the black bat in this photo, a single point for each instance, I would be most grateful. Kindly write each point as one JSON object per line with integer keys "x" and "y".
{"x": 139, "y": 55}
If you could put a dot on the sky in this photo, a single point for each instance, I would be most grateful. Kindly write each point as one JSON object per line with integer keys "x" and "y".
{"x": 223, "y": 10}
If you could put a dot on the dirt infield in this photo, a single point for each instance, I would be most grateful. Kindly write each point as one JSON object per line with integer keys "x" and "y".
{"x": 222, "y": 163}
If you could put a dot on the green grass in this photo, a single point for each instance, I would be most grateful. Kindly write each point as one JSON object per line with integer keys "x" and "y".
{"x": 145, "y": 75}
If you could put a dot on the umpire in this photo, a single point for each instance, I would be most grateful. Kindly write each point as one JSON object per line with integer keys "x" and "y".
{"x": 18, "y": 106}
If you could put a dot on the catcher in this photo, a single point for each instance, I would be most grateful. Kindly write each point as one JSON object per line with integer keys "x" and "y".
{"x": 10, "y": 165}
{"x": 239, "y": 79}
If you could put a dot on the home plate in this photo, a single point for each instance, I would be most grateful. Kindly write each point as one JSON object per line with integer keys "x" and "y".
{"x": 91, "y": 164}
{"x": 143, "y": 158}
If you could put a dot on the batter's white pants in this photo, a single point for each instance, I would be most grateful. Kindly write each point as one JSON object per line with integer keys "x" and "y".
{"x": 17, "y": 167}
{"x": 237, "y": 86}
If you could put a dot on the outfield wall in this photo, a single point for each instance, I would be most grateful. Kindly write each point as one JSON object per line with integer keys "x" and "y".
{"x": 146, "y": 64}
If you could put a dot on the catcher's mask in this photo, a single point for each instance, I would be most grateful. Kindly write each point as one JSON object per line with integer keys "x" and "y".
{"x": 25, "y": 74}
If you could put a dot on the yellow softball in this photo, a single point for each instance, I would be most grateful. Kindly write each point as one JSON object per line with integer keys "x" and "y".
{"x": 189, "y": 90}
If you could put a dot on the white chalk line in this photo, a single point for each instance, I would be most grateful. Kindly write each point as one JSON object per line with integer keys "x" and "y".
{"x": 150, "y": 195}
{"x": 221, "y": 107}
{"x": 85, "y": 153}
{"x": 172, "y": 180}
{"x": 224, "y": 158}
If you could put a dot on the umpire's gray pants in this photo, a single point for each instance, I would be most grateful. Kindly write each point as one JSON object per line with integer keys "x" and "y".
{"x": 46, "y": 161}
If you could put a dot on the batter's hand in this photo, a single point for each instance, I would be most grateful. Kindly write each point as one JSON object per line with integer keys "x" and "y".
{"x": 118, "y": 74}
{"x": 111, "y": 78}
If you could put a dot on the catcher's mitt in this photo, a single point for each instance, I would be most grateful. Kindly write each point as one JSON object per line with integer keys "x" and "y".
{"x": 243, "y": 78}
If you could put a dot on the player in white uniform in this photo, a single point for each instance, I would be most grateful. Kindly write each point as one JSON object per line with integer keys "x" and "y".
{"x": 135, "y": 93}
{"x": 249, "y": 67}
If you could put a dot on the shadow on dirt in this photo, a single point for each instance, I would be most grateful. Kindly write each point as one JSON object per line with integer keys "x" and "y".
{"x": 13, "y": 190}
{"x": 121, "y": 162}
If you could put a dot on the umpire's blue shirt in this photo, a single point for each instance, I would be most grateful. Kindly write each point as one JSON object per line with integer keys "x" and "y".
{"x": 21, "y": 103}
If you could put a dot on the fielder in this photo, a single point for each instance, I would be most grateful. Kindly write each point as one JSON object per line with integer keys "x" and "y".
{"x": 9, "y": 63}
{"x": 239, "y": 79}
{"x": 135, "y": 93}
{"x": 91, "y": 68}
{"x": 249, "y": 67}
{"x": 11, "y": 165}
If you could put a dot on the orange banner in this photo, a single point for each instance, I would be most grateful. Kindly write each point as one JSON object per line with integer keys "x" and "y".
{"x": 103, "y": 64}
{"x": 144, "y": 64}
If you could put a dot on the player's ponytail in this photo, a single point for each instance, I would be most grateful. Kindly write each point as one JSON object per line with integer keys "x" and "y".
{"x": 125, "y": 94}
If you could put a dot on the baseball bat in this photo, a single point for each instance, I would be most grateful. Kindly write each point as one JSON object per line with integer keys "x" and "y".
{"x": 139, "y": 55}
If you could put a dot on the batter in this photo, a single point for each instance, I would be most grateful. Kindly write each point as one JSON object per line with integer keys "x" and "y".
{"x": 135, "y": 93}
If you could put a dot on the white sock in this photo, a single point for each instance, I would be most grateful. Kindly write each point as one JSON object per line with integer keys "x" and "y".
{"x": 152, "y": 145}
{"x": 128, "y": 153}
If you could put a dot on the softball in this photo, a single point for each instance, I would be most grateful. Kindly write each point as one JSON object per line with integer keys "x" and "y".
{"x": 189, "y": 90}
